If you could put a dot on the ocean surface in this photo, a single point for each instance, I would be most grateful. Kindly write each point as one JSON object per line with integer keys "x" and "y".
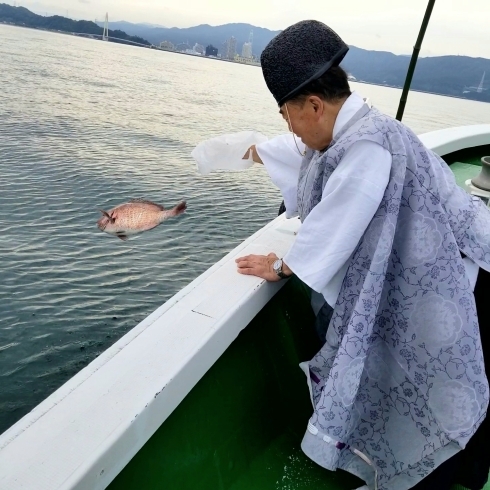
{"x": 87, "y": 125}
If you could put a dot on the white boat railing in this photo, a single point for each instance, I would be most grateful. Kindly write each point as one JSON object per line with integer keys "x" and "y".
{"x": 445, "y": 141}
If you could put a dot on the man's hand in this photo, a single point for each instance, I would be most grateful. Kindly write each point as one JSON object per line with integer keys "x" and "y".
{"x": 260, "y": 266}
{"x": 255, "y": 155}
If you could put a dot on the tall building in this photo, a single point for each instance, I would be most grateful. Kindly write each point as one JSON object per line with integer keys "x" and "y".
{"x": 232, "y": 48}
{"x": 182, "y": 47}
{"x": 167, "y": 45}
{"x": 198, "y": 48}
{"x": 211, "y": 50}
{"x": 229, "y": 49}
{"x": 247, "y": 50}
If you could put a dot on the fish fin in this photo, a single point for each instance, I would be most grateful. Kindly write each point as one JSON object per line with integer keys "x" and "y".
{"x": 179, "y": 209}
{"x": 146, "y": 201}
{"x": 122, "y": 237}
{"x": 108, "y": 216}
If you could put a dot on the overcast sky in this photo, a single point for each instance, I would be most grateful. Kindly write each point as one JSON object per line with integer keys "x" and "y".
{"x": 456, "y": 27}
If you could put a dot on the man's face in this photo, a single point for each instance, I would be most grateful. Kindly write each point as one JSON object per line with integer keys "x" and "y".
{"x": 310, "y": 120}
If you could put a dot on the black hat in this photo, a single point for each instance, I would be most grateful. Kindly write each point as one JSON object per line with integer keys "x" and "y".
{"x": 298, "y": 55}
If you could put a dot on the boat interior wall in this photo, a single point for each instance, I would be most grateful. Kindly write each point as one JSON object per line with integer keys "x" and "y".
{"x": 470, "y": 156}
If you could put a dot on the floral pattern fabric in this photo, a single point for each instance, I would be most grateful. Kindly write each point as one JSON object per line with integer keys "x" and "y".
{"x": 401, "y": 377}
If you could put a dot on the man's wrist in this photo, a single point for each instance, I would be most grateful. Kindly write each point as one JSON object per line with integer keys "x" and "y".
{"x": 286, "y": 270}
{"x": 281, "y": 269}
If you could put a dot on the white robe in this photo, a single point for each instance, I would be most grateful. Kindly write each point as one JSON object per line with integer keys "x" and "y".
{"x": 331, "y": 232}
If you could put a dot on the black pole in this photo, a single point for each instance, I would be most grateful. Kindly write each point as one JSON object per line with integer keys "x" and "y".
{"x": 413, "y": 61}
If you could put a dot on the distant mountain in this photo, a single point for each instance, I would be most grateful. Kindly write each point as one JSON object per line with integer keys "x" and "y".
{"x": 446, "y": 75}
{"x": 22, "y": 17}
{"x": 129, "y": 26}
{"x": 202, "y": 34}
{"x": 150, "y": 25}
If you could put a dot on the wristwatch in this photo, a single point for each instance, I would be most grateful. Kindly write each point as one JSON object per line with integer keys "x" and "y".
{"x": 277, "y": 266}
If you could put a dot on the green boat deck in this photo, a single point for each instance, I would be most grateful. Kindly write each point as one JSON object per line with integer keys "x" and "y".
{"x": 466, "y": 164}
{"x": 241, "y": 427}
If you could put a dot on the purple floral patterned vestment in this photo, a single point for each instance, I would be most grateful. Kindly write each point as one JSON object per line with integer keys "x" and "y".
{"x": 401, "y": 377}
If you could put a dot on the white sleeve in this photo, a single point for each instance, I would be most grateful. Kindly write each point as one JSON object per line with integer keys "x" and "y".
{"x": 332, "y": 230}
{"x": 282, "y": 161}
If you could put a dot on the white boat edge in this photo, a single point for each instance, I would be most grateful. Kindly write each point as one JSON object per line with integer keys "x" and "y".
{"x": 84, "y": 433}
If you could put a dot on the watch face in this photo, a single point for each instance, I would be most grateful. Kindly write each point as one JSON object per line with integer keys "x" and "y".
{"x": 277, "y": 265}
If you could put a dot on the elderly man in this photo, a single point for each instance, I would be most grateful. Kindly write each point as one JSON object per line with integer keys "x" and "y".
{"x": 393, "y": 245}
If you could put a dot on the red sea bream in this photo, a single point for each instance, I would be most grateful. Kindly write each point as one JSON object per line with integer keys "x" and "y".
{"x": 136, "y": 216}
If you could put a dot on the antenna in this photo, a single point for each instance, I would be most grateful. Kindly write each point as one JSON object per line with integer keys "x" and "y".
{"x": 413, "y": 60}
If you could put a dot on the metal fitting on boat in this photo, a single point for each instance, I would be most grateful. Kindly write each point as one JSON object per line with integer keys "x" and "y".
{"x": 482, "y": 180}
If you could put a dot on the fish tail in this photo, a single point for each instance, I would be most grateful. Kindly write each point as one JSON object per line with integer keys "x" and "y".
{"x": 179, "y": 209}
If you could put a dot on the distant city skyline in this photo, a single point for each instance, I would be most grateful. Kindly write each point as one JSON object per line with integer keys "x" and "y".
{"x": 456, "y": 27}
{"x": 229, "y": 50}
